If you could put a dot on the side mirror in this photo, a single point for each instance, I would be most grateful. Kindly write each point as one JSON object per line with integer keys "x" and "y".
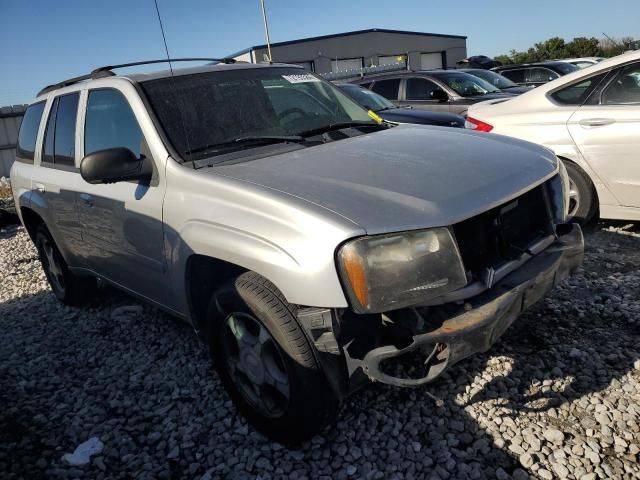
{"x": 439, "y": 95}
{"x": 114, "y": 165}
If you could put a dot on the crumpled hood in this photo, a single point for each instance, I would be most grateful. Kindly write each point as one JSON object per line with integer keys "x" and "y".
{"x": 407, "y": 177}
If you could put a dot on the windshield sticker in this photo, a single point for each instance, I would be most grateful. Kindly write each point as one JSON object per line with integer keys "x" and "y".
{"x": 301, "y": 78}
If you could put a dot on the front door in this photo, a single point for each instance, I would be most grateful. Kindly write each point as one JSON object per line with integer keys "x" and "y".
{"x": 608, "y": 135}
{"x": 122, "y": 222}
{"x": 424, "y": 94}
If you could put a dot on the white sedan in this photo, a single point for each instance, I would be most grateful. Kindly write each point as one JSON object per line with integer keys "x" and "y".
{"x": 591, "y": 120}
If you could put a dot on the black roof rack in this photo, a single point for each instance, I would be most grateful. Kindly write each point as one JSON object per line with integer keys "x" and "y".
{"x": 105, "y": 71}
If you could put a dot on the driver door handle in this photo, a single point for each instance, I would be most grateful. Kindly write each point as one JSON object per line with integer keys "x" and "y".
{"x": 87, "y": 199}
{"x": 596, "y": 122}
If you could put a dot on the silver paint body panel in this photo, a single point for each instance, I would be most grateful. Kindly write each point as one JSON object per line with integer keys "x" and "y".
{"x": 282, "y": 216}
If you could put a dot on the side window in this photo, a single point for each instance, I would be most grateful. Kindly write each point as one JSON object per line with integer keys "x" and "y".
{"x": 540, "y": 75}
{"x": 625, "y": 88}
{"x": 420, "y": 89}
{"x": 29, "y": 131}
{"x": 49, "y": 133}
{"x": 65, "y": 138}
{"x": 577, "y": 93}
{"x": 387, "y": 88}
{"x": 110, "y": 123}
{"x": 516, "y": 76}
{"x": 60, "y": 135}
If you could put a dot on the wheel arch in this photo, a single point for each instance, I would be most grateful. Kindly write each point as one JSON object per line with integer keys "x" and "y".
{"x": 203, "y": 276}
{"x": 586, "y": 176}
{"x": 31, "y": 220}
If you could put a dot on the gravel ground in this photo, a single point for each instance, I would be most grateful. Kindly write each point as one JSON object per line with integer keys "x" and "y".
{"x": 557, "y": 397}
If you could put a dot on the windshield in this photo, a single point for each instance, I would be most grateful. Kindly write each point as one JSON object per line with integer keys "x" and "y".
{"x": 211, "y": 113}
{"x": 367, "y": 98}
{"x": 464, "y": 84}
{"x": 494, "y": 78}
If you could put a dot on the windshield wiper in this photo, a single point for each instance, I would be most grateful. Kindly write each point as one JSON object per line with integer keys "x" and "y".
{"x": 253, "y": 139}
{"x": 336, "y": 126}
{"x": 384, "y": 109}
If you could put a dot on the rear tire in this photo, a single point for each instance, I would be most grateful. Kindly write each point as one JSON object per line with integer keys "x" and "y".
{"x": 69, "y": 288}
{"x": 266, "y": 362}
{"x": 582, "y": 196}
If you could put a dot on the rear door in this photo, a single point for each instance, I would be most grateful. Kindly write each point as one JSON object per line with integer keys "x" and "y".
{"x": 422, "y": 93}
{"x": 55, "y": 180}
{"x": 607, "y": 133}
{"x": 122, "y": 222}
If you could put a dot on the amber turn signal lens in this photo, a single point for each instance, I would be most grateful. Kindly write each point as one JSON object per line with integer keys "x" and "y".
{"x": 353, "y": 267}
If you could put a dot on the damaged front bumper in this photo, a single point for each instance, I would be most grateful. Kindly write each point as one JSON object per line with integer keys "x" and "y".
{"x": 446, "y": 334}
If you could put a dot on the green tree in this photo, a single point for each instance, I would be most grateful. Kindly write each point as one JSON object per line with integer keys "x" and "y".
{"x": 556, "y": 48}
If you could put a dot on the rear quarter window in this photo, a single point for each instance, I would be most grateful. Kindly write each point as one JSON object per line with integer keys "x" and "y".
{"x": 28, "y": 135}
{"x": 578, "y": 92}
{"x": 387, "y": 88}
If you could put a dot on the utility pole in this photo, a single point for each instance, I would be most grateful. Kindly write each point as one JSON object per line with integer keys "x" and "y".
{"x": 266, "y": 29}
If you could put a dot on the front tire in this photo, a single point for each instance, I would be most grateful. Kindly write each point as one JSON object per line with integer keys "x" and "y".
{"x": 266, "y": 362}
{"x": 69, "y": 288}
{"x": 582, "y": 196}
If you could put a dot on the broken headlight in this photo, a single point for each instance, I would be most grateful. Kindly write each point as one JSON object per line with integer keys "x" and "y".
{"x": 387, "y": 272}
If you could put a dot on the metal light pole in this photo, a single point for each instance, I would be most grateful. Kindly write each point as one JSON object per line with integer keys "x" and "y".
{"x": 266, "y": 29}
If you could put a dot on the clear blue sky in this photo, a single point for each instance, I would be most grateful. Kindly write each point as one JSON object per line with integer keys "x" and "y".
{"x": 42, "y": 42}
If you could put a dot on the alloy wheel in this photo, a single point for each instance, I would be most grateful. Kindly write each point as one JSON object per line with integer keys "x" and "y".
{"x": 53, "y": 265}
{"x": 255, "y": 364}
{"x": 574, "y": 198}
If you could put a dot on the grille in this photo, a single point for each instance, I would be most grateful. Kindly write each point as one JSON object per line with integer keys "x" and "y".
{"x": 505, "y": 232}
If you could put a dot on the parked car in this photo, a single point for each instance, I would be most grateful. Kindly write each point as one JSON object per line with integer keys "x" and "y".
{"x": 535, "y": 74}
{"x": 389, "y": 112}
{"x": 435, "y": 90}
{"x": 590, "y": 119}
{"x": 583, "y": 62}
{"x": 309, "y": 245}
{"x": 499, "y": 81}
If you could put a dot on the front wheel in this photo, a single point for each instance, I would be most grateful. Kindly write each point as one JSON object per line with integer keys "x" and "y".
{"x": 265, "y": 361}
{"x": 582, "y": 196}
{"x": 69, "y": 288}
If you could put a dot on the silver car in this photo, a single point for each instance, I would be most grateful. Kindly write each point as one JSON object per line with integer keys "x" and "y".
{"x": 311, "y": 246}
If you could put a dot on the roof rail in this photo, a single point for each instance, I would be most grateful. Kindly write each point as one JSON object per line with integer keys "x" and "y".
{"x": 105, "y": 71}
{"x": 362, "y": 72}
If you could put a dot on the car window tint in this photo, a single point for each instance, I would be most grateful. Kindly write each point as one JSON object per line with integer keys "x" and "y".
{"x": 110, "y": 123}
{"x": 577, "y": 93}
{"x": 49, "y": 133}
{"x": 65, "y": 136}
{"x": 625, "y": 88}
{"x": 420, "y": 89}
{"x": 516, "y": 76}
{"x": 387, "y": 88}
{"x": 29, "y": 131}
{"x": 540, "y": 75}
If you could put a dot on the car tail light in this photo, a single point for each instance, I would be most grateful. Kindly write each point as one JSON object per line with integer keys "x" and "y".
{"x": 477, "y": 125}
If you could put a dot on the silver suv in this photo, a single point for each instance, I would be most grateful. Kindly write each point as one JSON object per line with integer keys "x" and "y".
{"x": 311, "y": 246}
